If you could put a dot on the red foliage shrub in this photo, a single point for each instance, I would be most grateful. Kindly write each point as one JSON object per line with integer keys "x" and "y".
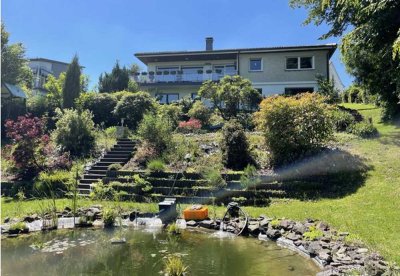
{"x": 189, "y": 126}
{"x": 32, "y": 150}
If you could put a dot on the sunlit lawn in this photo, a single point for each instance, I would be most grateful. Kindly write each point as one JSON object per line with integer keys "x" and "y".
{"x": 371, "y": 213}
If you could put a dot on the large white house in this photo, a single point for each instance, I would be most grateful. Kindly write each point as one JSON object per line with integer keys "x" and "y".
{"x": 272, "y": 70}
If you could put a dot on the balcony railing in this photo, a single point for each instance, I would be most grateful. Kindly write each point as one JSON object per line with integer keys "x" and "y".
{"x": 146, "y": 77}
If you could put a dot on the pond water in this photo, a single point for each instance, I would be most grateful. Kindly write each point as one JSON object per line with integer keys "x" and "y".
{"x": 90, "y": 252}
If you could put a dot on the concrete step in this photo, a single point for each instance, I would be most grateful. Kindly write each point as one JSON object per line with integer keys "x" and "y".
{"x": 84, "y": 192}
{"x": 84, "y": 186}
{"x": 101, "y": 172}
{"x": 120, "y": 151}
{"x": 88, "y": 181}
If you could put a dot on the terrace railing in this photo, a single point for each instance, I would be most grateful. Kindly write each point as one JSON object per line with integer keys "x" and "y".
{"x": 146, "y": 77}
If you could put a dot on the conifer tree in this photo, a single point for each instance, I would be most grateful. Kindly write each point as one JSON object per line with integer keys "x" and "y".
{"x": 72, "y": 84}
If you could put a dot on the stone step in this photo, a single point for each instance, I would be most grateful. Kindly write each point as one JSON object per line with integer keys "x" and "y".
{"x": 120, "y": 151}
{"x": 102, "y": 172}
{"x": 114, "y": 160}
{"x": 84, "y": 192}
{"x": 93, "y": 176}
{"x": 126, "y": 143}
{"x": 84, "y": 186}
{"x": 117, "y": 155}
{"x": 107, "y": 163}
{"x": 88, "y": 181}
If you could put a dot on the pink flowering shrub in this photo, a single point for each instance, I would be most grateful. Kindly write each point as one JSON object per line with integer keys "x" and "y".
{"x": 192, "y": 125}
{"x": 31, "y": 150}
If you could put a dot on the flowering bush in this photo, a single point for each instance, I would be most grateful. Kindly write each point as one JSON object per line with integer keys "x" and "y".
{"x": 190, "y": 126}
{"x": 32, "y": 150}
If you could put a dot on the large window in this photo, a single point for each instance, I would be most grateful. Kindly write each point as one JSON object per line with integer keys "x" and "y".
{"x": 169, "y": 69}
{"x": 168, "y": 98}
{"x": 255, "y": 64}
{"x": 299, "y": 63}
{"x": 298, "y": 90}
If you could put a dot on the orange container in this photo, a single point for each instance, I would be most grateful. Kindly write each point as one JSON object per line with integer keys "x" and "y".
{"x": 196, "y": 212}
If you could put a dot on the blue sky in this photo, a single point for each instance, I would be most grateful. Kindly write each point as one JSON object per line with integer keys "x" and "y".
{"x": 103, "y": 31}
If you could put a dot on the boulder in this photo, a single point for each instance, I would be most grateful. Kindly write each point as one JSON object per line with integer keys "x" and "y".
{"x": 299, "y": 228}
{"x": 273, "y": 233}
{"x": 207, "y": 223}
{"x": 325, "y": 255}
{"x": 286, "y": 224}
{"x": 313, "y": 247}
{"x": 254, "y": 228}
{"x": 191, "y": 223}
{"x": 292, "y": 236}
{"x": 7, "y": 220}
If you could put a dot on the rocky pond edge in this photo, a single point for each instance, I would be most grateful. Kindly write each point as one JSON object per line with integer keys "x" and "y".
{"x": 313, "y": 239}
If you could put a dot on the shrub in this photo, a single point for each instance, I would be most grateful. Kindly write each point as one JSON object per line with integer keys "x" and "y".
{"x": 156, "y": 165}
{"x": 32, "y": 150}
{"x": 294, "y": 126}
{"x": 53, "y": 182}
{"x": 248, "y": 178}
{"x": 192, "y": 125}
{"x": 155, "y": 131}
{"x": 142, "y": 184}
{"x": 173, "y": 229}
{"x": 109, "y": 217}
{"x": 214, "y": 179}
{"x": 18, "y": 227}
{"x": 114, "y": 167}
{"x": 144, "y": 153}
{"x": 341, "y": 119}
{"x": 102, "y": 192}
{"x": 174, "y": 266}
{"x": 101, "y": 105}
{"x": 200, "y": 112}
{"x": 171, "y": 113}
{"x": 313, "y": 234}
{"x": 234, "y": 146}
{"x": 363, "y": 129}
{"x": 133, "y": 107}
{"x": 75, "y": 132}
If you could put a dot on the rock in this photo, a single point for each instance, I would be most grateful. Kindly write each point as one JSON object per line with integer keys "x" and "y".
{"x": 362, "y": 250}
{"x": 264, "y": 223}
{"x": 325, "y": 255}
{"x": 29, "y": 219}
{"x": 322, "y": 226}
{"x": 98, "y": 223}
{"x": 328, "y": 272}
{"x": 286, "y": 224}
{"x": 343, "y": 234}
{"x": 299, "y": 228}
{"x": 292, "y": 236}
{"x": 67, "y": 209}
{"x": 206, "y": 223}
{"x": 191, "y": 223}
{"x": 313, "y": 248}
{"x": 273, "y": 233}
{"x": 188, "y": 156}
{"x": 254, "y": 228}
{"x": 7, "y": 220}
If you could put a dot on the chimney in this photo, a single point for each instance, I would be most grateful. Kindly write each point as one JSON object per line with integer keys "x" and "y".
{"x": 209, "y": 43}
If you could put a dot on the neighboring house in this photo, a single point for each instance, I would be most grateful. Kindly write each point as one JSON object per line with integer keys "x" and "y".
{"x": 13, "y": 101}
{"x": 41, "y": 68}
{"x": 334, "y": 78}
{"x": 272, "y": 70}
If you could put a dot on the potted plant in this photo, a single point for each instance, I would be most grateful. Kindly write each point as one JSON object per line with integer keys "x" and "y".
{"x": 199, "y": 71}
{"x": 144, "y": 73}
{"x": 151, "y": 73}
{"x": 166, "y": 72}
{"x": 208, "y": 71}
{"x": 173, "y": 72}
{"x": 158, "y": 73}
{"x": 218, "y": 71}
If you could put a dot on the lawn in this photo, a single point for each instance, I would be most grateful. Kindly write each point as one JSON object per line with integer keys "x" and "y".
{"x": 372, "y": 213}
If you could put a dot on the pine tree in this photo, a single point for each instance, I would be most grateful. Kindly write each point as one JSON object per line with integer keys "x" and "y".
{"x": 72, "y": 85}
{"x": 117, "y": 80}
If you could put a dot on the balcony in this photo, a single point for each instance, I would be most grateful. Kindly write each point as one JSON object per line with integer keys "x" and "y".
{"x": 180, "y": 77}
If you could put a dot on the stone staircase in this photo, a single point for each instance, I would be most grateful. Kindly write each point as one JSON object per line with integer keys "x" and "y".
{"x": 120, "y": 153}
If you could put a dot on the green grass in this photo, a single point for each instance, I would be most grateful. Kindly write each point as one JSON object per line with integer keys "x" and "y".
{"x": 371, "y": 214}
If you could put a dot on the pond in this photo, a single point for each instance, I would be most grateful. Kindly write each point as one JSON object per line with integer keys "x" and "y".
{"x": 90, "y": 252}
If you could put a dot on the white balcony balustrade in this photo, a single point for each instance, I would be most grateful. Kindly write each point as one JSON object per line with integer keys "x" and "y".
{"x": 161, "y": 77}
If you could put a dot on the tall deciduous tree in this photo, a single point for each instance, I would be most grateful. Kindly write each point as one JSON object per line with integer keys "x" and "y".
{"x": 14, "y": 65}
{"x": 72, "y": 85}
{"x": 371, "y": 49}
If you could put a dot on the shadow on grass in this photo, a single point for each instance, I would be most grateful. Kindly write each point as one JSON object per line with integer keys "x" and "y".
{"x": 330, "y": 174}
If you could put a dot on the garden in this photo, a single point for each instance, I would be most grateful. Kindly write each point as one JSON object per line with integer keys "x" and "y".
{"x": 302, "y": 156}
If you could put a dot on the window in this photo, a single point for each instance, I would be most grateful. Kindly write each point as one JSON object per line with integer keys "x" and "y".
{"x": 255, "y": 64}
{"x": 169, "y": 69}
{"x": 298, "y": 90}
{"x": 167, "y": 98}
{"x": 299, "y": 63}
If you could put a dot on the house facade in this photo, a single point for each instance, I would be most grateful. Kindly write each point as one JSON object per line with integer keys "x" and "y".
{"x": 272, "y": 70}
{"x": 41, "y": 68}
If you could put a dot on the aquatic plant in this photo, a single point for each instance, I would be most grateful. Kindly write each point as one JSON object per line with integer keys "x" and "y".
{"x": 173, "y": 229}
{"x": 174, "y": 266}
{"x": 108, "y": 217}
